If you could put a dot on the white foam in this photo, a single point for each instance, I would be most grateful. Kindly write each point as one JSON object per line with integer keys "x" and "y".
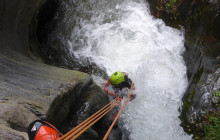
{"x": 151, "y": 53}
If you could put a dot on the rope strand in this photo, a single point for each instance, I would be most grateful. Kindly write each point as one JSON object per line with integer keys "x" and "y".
{"x": 82, "y": 127}
{"x": 113, "y": 123}
{"x": 74, "y": 129}
{"x": 105, "y": 111}
{"x": 94, "y": 122}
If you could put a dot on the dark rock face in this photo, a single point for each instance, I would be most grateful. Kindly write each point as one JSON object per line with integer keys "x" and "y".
{"x": 204, "y": 97}
{"x": 55, "y": 35}
{"x": 200, "y": 19}
{"x": 15, "y": 18}
{"x": 29, "y": 88}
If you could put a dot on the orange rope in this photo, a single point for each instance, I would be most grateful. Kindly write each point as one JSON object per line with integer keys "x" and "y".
{"x": 110, "y": 128}
{"x": 93, "y": 122}
{"x": 81, "y": 126}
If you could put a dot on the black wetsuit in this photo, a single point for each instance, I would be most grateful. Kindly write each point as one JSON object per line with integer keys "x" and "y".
{"x": 125, "y": 84}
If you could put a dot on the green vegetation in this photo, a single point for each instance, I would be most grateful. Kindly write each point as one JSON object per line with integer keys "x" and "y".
{"x": 171, "y": 9}
{"x": 216, "y": 93}
{"x": 206, "y": 127}
{"x": 212, "y": 130}
{"x": 175, "y": 14}
{"x": 170, "y": 6}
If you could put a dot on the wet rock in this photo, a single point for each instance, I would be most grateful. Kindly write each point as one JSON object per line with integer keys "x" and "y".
{"x": 202, "y": 37}
{"x": 43, "y": 91}
{"x": 204, "y": 97}
{"x": 86, "y": 107}
{"x": 7, "y": 133}
{"x": 215, "y": 100}
{"x": 29, "y": 88}
{"x": 55, "y": 34}
{"x": 16, "y": 115}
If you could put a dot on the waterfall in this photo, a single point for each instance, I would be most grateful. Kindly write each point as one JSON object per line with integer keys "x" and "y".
{"x": 121, "y": 35}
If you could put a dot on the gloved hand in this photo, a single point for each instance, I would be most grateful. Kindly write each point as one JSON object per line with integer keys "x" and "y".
{"x": 132, "y": 96}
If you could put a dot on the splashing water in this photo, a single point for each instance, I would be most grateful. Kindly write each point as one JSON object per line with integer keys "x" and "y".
{"x": 121, "y": 35}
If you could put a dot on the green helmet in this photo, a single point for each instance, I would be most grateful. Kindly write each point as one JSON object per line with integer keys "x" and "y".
{"x": 117, "y": 78}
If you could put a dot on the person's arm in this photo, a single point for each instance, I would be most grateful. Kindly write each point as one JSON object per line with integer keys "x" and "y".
{"x": 106, "y": 85}
{"x": 132, "y": 96}
{"x": 129, "y": 80}
{"x": 133, "y": 86}
{"x": 111, "y": 93}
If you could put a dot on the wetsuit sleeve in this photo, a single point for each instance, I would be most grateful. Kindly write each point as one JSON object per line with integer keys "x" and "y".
{"x": 133, "y": 86}
{"x": 128, "y": 82}
{"x": 106, "y": 85}
{"x": 111, "y": 93}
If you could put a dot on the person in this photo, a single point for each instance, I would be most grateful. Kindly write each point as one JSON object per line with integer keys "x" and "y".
{"x": 42, "y": 130}
{"x": 119, "y": 81}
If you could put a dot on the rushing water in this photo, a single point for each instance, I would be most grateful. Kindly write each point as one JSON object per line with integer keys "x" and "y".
{"x": 121, "y": 35}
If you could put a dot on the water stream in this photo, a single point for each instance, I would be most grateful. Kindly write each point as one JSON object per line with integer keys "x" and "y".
{"x": 121, "y": 35}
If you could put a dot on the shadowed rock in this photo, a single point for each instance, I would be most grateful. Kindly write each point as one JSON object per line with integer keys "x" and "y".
{"x": 30, "y": 89}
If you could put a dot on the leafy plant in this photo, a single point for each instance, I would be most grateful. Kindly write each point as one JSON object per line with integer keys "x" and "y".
{"x": 170, "y": 6}
{"x": 212, "y": 130}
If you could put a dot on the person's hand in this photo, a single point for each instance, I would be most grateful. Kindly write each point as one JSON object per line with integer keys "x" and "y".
{"x": 106, "y": 91}
{"x": 132, "y": 96}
